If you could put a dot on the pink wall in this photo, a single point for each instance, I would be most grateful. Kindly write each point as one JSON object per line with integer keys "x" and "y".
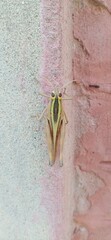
{"x": 77, "y": 45}
{"x": 92, "y": 65}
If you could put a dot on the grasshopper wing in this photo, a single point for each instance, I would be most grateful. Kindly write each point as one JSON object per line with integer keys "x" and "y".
{"x": 49, "y": 136}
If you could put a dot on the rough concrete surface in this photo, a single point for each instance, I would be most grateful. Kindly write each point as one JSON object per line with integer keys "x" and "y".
{"x": 22, "y": 215}
{"x": 31, "y": 193}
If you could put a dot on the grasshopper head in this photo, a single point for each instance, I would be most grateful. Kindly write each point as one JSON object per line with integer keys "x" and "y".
{"x": 56, "y": 95}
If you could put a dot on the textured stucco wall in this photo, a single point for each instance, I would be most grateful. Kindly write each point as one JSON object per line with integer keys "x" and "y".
{"x": 57, "y": 69}
{"x": 34, "y": 198}
{"x": 22, "y": 164}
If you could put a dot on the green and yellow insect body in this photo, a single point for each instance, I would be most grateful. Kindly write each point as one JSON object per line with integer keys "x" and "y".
{"x": 55, "y": 113}
{"x": 55, "y": 125}
{"x": 56, "y": 120}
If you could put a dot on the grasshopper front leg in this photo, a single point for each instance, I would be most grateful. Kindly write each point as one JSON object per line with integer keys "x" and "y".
{"x": 41, "y": 115}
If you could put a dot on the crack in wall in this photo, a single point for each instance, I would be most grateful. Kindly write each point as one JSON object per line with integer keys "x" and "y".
{"x": 82, "y": 46}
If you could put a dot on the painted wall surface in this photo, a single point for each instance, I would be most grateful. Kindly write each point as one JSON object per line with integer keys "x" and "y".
{"x": 43, "y": 45}
{"x": 22, "y": 155}
{"x": 31, "y": 193}
{"x": 92, "y": 67}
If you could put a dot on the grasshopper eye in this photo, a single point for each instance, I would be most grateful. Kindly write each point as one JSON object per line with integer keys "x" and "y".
{"x": 60, "y": 94}
{"x": 52, "y": 94}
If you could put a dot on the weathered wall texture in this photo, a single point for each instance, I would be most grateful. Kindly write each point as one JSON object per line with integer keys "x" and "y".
{"x": 38, "y": 202}
{"x": 92, "y": 67}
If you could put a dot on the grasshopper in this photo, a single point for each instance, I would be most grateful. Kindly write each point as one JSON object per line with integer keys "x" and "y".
{"x": 56, "y": 120}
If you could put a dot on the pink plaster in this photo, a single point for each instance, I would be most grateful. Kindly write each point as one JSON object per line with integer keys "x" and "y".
{"x": 92, "y": 65}
{"x": 52, "y": 200}
{"x": 57, "y": 197}
{"x": 52, "y": 44}
{"x": 77, "y": 197}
